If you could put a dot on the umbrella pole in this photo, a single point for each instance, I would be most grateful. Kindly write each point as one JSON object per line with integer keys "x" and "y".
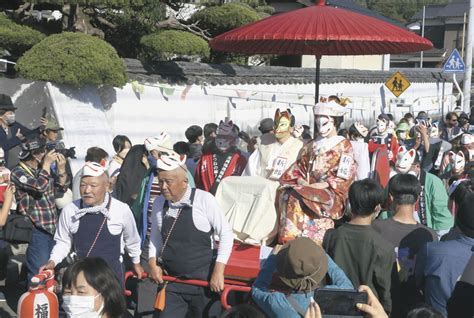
{"x": 316, "y": 90}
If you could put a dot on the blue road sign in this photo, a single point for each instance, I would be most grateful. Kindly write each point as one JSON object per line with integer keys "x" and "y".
{"x": 454, "y": 63}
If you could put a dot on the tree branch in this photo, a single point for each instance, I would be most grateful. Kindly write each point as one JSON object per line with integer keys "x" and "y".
{"x": 173, "y": 23}
{"x": 22, "y": 8}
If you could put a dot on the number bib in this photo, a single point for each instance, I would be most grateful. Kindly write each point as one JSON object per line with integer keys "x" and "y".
{"x": 345, "y": 165}
{"x": 279, "y": 165}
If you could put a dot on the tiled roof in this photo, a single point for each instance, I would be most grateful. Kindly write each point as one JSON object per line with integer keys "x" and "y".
{"x": 453, "y": 9}
{"x": 183, "y": 73}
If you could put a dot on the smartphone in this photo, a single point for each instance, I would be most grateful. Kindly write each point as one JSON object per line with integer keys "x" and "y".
{"x": 340, "y": 302}
{"x": 43, "y": 114}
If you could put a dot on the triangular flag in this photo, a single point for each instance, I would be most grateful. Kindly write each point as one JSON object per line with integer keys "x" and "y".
{"x": 186, "y": 91}
{"x": 241, "y": 94}
{"x": 300, "y": 96}
{"x": 231, "y": 103}
{"x": 168, "y": 91}
{"x": 203, "y": 87}
{"x": 137, "y": 87}
{"x": 274, "y": 98}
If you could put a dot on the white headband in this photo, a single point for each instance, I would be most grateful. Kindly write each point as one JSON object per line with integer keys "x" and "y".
{"x": 92, "y": 169}
{"x": 171, "y": 161}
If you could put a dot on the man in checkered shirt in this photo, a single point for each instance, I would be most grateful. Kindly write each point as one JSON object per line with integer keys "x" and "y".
{"x": 36, "y": 187}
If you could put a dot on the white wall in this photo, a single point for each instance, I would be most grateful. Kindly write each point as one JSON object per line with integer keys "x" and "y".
{"x": 139, "y": 115}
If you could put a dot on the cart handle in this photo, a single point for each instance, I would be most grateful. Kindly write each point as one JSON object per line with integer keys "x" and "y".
{"x": 195, "y": 282}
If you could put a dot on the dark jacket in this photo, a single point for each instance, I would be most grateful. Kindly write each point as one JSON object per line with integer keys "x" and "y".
{"x": 10, "y": 142}
{"x": 365, "y": 257}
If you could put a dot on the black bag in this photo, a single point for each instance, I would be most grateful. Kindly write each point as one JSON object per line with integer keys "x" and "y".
{"x": 17, "y": 229}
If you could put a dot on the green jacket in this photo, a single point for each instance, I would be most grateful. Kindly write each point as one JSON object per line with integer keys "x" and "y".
{"x": 438, "y": 216}
{"x": 437, "y": 213}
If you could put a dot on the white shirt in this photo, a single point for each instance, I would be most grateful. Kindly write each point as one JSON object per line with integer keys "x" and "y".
{"x": 121, "y": 221}
{"x": 361, "y": 157}
{"x": 206, "y": 215}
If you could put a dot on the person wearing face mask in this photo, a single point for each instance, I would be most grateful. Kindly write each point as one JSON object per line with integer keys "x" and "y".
{"x": 382, "y": 138}
{"x": 276, "y": 152}
{"x": 357, "y": 133}
{"x": 225, "y": 160}
{"x": 91, "y": 290}
{"x": 314, "y": 189}
{"x": 403, "y": 135}
{"x": 432, "y": 159}
{"x": 432, "y": 207}
{"x": 13, "y": 133}
{"x": 35, "y": 194}
{"x": 410, "y": 119}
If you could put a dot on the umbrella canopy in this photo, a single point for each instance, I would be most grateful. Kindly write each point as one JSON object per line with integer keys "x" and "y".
{"x": 320, "y": 30}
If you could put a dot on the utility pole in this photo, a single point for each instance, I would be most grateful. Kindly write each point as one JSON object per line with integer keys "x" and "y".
{"x": 422, "y": 34}
{"x": 468, "y": 72}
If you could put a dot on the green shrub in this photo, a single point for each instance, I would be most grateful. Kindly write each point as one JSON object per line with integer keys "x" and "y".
{"x": 75, "y": 59}
{"x": 17, "y": 38}
{"x": 220, "y": 19}
{"x": 166, "y": 44}
{"x": 265, "y": 9}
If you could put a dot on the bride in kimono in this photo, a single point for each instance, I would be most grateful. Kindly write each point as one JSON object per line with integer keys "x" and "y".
{"x": 314, "y": 189}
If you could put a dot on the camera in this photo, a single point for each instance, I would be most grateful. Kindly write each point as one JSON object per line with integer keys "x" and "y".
{"x": 60, "y": 148}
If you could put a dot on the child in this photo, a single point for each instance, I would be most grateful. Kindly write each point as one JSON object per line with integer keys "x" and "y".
{"x": 406, "y": 235}
{"x": 358, "y": 249}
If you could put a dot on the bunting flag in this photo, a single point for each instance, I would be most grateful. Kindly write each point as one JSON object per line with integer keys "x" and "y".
{"x": 300, "y": 96}
{"x": 137, "y": 87}
{"x": 166, "y": 91}
{"x": 231, "y": 103}
{"x": 274, "y": 98}
{"x": 203, "y": 87}
{"x": 185, "y": 92}
{"x": 241, "y": 94}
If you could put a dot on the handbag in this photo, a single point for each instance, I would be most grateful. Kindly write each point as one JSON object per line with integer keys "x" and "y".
{"x": 17, "y": 229}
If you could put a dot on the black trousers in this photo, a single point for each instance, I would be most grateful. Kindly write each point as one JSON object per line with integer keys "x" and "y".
{"x": 185, "y": 301}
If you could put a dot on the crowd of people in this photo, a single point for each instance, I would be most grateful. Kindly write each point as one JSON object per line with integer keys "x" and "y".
{"x": 385, "y": 210}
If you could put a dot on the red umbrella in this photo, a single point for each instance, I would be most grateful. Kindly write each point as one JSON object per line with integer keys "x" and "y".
{"x": 320, "y": 30}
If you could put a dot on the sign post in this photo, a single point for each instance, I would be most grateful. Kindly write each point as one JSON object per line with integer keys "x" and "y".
{"x": 397, "y": 84}
{"x": 454, "y": 64}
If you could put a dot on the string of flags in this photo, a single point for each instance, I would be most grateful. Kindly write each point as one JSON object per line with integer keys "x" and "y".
{"x": 251, "y": 95}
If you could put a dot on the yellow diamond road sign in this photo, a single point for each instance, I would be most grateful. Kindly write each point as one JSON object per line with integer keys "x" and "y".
{"x": 397, "y": 84}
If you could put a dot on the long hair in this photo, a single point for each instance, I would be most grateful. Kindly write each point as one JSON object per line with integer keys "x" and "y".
{"x": 101, "y": 277}
{"x": 131, "y": 175}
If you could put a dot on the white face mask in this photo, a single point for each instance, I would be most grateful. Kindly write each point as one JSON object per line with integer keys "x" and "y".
{"x": 325, "y": 125}
{"x": 81, "y": 306}
{"x": 10, "y": 119}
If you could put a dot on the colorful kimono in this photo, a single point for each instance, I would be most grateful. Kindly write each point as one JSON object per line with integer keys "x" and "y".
{"x": 304, "y": 210}
{"x": 209, "y": 172}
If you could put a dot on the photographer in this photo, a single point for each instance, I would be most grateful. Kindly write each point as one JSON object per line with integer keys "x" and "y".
{"x": 13, "y": 133}
{"x": 51, "y": 136}
{"x": 35, "y": 196}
